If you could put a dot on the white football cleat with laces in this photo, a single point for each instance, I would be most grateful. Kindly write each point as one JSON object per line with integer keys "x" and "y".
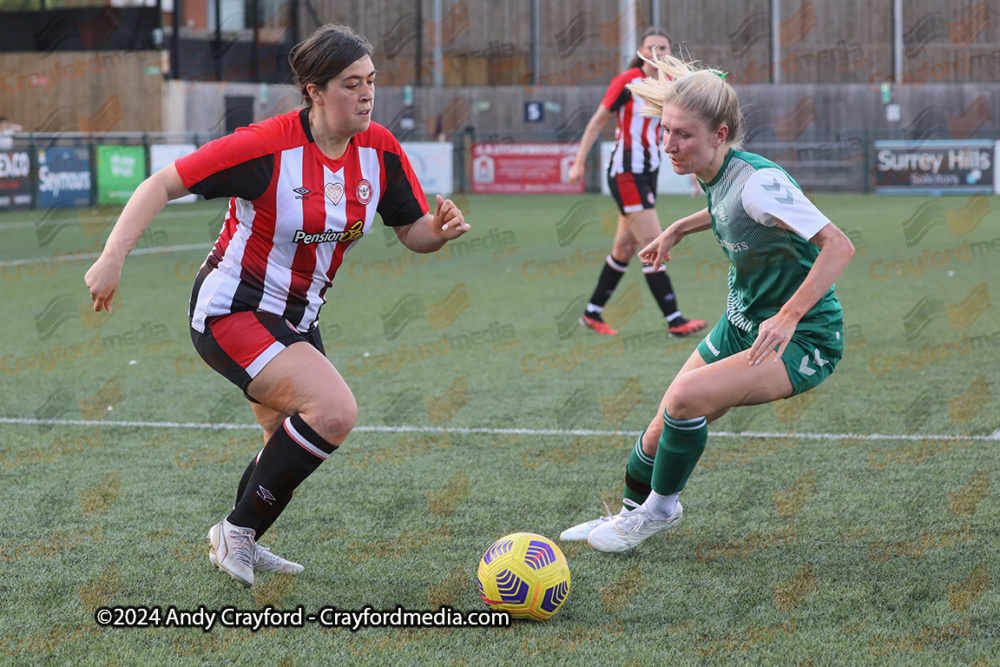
{"x": 627, "y": 532}
{"x": 580, "y": 531}
{"x": 233, "y": 550}
{"x": 263, "y": 560}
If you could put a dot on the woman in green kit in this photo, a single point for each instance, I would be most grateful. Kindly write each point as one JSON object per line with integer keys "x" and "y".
{"x": 782, "y": 332}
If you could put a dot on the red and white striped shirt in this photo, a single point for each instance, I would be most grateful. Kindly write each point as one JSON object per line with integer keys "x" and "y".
{"x": 293, "y": 214}
{"x": 637, "y": 138}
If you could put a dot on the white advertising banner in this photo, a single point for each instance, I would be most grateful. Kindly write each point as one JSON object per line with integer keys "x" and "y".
{"x": 432, "y": 165}
{"x": 160, "y": 155}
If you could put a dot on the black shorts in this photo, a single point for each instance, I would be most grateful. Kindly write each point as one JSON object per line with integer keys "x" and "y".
{"x": 633, "y": 192}
{"x": 238, "y": 346}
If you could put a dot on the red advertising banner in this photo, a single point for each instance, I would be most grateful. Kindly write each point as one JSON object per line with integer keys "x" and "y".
{"x": 523, "y": 168}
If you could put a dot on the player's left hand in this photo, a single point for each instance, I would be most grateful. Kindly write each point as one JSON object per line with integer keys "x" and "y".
{"x": 448, "y": 223}
{"x": 775, "y": 332}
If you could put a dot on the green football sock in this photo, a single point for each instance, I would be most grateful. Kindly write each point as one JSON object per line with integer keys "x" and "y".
{"x": 638, "y": 474}
{"x": 681, "y": 445}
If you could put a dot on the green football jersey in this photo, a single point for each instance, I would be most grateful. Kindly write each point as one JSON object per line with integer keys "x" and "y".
{"x": 767, "y": 263}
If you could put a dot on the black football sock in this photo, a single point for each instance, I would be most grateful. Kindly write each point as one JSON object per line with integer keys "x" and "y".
{"x": 265, "y": 523}
{"x": 610, "y": 276}
{"x": 291, "y": 455}
{"x": 663, "y": 291}
{"x": 246, "y": 477}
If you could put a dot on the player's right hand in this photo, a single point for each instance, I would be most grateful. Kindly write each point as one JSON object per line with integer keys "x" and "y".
{"x": 575, "y": 172}
{"x": 658, "y": 252}
{"x": 102, "y": 280}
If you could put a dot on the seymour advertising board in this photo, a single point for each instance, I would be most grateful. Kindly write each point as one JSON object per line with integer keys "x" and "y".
{"x": 523, "y": 168}
{"x": 933, "y": 167}
{"x": 64, "y": 177}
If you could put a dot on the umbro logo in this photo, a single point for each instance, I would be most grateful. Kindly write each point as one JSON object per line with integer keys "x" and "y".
{"x": 301, "y": 193}
{"x": 265, "y": 495}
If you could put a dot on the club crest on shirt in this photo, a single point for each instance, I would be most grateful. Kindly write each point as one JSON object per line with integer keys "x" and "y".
{"x": 719, "y": 212}
{"x": 334, "y": 192}
{"x": 364, "y": 191}
{"x": 352, "y": 233}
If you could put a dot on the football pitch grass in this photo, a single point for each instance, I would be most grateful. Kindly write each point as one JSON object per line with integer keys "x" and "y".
{"x": 852, "y": 525}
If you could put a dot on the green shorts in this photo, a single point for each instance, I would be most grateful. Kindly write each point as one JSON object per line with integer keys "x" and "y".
{"x": 809, "y": 358}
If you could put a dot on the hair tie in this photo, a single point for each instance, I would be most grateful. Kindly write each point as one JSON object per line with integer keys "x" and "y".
{"x": 721, "y": 75}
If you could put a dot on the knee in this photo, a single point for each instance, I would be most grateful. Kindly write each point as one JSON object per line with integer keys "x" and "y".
{"x": 624, "y": 250}
{"x": 682, "y": 402}
{"x": 270, "y": 427}
{"x": 332, "y": 422}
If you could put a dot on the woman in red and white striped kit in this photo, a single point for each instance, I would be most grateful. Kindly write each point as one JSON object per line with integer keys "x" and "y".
{"x": 303, "y": 188}
{"x": 632, "y": 173}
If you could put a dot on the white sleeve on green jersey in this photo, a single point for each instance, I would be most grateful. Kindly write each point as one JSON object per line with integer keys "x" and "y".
{"x": 770, "y": 194}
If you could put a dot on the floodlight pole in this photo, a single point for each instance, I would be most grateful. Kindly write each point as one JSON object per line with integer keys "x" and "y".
{"x": 626, "y": 30}
{"x": 438, "y": 51}
{"x": 775, "y": 41}
{"x": 897, "y": 41}
{"x": 533, "y": 47}
{"x": 175, "y": 39}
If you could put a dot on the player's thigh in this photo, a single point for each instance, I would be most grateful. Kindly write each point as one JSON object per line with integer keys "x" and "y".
{"x": 644, "y": 227}
{"x": 301, "y": 380}
{"x": 624, "y": 247}
{"x": 635, "y": 232}
{"x": 725, "y": 384}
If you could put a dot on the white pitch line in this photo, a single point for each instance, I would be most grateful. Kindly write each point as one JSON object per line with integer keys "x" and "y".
{"x": 18, "y": 224}
{"x": 89, "y": 255}
{"x": 498, "y": 431}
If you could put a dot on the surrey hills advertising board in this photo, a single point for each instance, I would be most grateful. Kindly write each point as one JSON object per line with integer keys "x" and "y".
{"x": 933, "y": 167}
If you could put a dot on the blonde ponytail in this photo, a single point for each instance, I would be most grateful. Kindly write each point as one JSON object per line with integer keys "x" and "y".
{"x": 700, "y": 90}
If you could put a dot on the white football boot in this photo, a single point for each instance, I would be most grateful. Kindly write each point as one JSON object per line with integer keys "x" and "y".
{"x": 263, "y": 560}
{"x": 580, "y": 531}
{"x": 627, "y": 532}
{"x": 233, "y": 550}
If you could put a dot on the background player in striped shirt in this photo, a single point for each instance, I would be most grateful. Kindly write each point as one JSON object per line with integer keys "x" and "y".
{"x": 784, "y": 257}
{"x": 635, "y": 162}
{"x": 304, "y": 187}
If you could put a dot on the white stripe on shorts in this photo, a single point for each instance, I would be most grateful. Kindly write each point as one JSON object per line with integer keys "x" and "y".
{"x": 270, "y": 353}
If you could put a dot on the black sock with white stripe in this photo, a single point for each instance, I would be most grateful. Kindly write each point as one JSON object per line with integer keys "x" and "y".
{"x": 291, "y": 455}
{"x": 246, "y": 477}
{"x": 610, "y": 276}
{"x": 662, "y": 289}
{"x": 265, "y": 523}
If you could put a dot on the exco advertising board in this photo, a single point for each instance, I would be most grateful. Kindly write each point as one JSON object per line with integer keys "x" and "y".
{"x": 15, "y": 184}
